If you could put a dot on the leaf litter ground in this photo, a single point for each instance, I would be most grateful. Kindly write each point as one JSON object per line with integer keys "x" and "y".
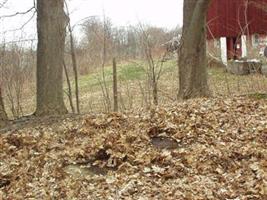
{"x": 199, "y": 149}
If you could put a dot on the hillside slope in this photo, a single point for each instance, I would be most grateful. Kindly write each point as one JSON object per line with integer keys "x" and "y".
{"x": 199, "y": 149}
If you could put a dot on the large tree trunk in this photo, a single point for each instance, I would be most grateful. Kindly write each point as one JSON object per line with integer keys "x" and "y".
{"x": 3, "y": 115}
{"x": 51, "y": 27}
{"x": 192, "y": 53}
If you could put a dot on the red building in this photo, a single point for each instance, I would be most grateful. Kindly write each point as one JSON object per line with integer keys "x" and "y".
{"x": 233, "y": 18}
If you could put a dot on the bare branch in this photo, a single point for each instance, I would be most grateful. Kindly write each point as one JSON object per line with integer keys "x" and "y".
{"x": 21, "y": 41}
{"x": 23, "y": 25}
{"x": 18, "y": 13}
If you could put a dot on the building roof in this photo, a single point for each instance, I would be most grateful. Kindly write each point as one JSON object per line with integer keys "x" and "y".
{"x": 231, "y": 18}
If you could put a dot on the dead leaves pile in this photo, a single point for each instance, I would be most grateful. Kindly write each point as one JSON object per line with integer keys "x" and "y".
{"x": 199, "y": 149}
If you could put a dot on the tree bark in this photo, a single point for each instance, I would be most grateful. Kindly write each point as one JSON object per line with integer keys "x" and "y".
{"x": 51, "y": 27}
{"x": 3, "y": 115}
{"x": 192, "y": 62}
{"x": 115, "y": 86}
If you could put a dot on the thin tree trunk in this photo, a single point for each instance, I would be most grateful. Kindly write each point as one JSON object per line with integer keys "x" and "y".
{"x": 75, "y": 70}
{"x": 74, "y": 62}
{"x": 3, "y": 115}
{"x": 51, "y": 27}
{"x": 154, "y": 80}
{"x": 155, "y": 87}
{"x": 115, "y": 86}
{"x": 69, "y": 87}
{"x": 192, "y": 62}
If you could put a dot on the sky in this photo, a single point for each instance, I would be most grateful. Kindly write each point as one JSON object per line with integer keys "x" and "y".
{"x": 162, "y": 13}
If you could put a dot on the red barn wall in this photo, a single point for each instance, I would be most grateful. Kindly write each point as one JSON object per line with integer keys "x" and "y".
{"x": 230, "y": 18}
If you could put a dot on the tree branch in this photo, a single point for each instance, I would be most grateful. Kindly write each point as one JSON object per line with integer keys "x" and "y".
{"x": 17, "y": 13}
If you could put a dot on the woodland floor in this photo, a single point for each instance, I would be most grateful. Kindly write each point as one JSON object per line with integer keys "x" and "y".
{"x": 199, "y": 149}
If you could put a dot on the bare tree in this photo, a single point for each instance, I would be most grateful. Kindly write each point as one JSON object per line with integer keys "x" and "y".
{"x": 75, "y": 69}
{"x": 14, "y": 76}
{"x": 151, "y": 49}
{"x": 104, "y": 87}
{"x": 74, "y": 62}
{"x": 192, "y": 53}
{"x": 51, "y": 27}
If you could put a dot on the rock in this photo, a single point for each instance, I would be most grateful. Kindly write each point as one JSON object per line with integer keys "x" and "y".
{"x": 243, "y": 67}
{"x": 164, "y": 142}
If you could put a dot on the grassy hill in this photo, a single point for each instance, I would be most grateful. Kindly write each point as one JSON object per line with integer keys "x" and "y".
{"x": 133, "y": 83}
{"x": 134, "y": 89}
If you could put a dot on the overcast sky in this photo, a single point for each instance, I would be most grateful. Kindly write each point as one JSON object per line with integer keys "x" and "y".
{"x": 163, "y": 13}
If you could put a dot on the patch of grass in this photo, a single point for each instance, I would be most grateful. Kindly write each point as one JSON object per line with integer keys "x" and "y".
{"x": 131, "y": 72}
{"x": 170, "y": 66}
{"x": 258, "y": 96}
{"x": 126, "y": 71}
{"x": 88, "y": 80}
{"x": 93, "y": 79}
